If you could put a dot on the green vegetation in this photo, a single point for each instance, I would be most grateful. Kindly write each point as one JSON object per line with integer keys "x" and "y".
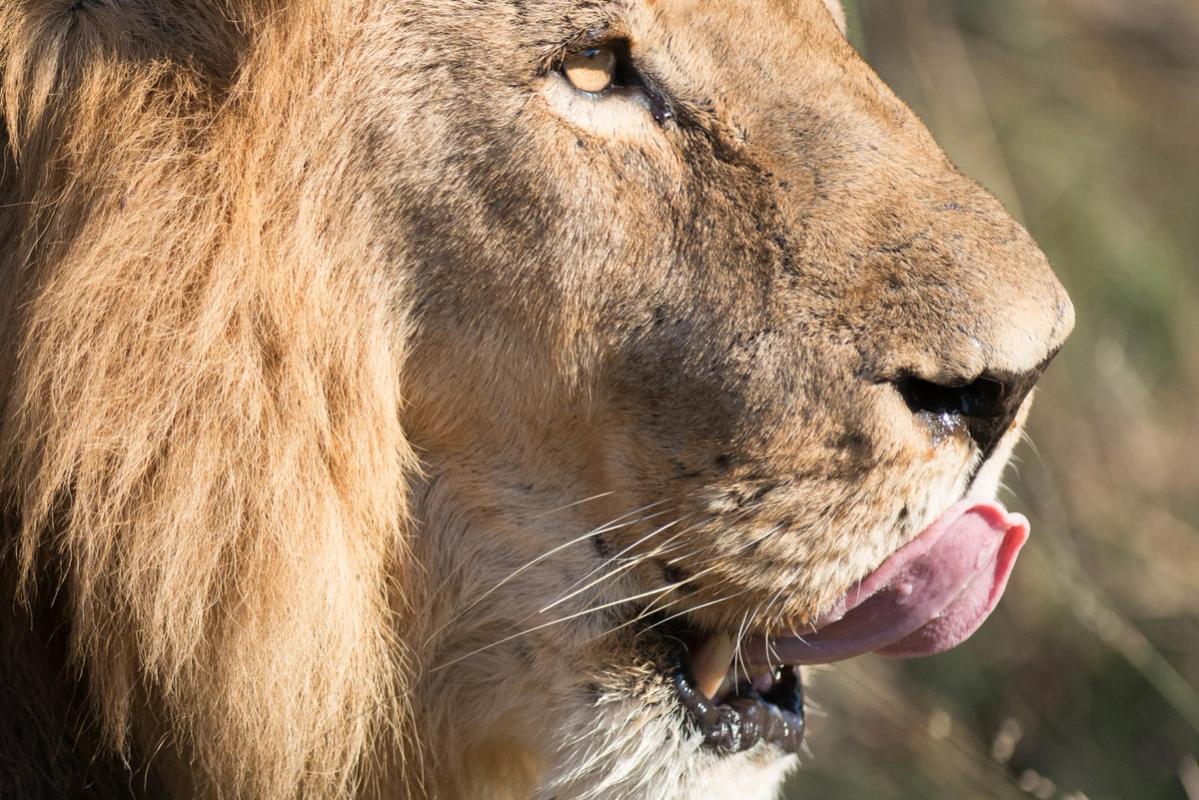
{"x": 1083, "y": 116}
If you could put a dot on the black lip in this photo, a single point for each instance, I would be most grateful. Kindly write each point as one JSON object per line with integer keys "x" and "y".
{"x": 746, "y": 718}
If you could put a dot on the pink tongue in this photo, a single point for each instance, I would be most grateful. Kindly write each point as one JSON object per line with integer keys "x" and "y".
{"x": 929, "y": 596}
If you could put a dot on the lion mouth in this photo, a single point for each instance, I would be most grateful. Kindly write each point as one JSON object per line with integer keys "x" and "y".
{"x": 929, "y": 596}
{"x": 766, "y": 708}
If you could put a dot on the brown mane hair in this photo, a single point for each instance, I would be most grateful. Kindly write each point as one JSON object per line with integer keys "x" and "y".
{"x": 199, "y": 442}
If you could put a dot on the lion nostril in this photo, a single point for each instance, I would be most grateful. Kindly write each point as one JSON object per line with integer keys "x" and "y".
{"x": 979, "y": 398}
{"x": 984, "y": 408}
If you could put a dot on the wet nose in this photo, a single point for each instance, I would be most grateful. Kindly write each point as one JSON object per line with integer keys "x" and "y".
{"x": 985, "y": 407}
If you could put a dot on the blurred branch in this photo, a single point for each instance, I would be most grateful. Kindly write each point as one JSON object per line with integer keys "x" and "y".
{"x": 1089, "y": 603}
{"x": 1166, "y": 29}
{"x": 970, "y": 762}
{"x": 1188, "y": 776}
{"x": 1091, "y": 608}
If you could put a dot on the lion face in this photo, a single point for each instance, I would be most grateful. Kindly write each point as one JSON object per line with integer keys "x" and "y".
{"x": 710, "y": 358}
{"x": 706, "y": 327}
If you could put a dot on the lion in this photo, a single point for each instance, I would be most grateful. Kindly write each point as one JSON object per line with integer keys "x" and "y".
{"x": 509, "y": 398}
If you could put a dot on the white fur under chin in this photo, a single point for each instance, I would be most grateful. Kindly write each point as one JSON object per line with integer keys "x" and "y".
{"x": 644, "y": 754}
{"x": 597, "y": 721}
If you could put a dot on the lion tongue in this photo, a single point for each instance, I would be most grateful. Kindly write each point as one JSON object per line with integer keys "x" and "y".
{"x": 929, "y": 596}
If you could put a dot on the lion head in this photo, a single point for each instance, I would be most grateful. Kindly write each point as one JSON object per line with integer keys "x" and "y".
{"x": 485, "y": 399}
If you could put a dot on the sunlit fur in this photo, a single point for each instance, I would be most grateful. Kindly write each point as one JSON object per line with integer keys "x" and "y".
{"x": 211, "y": 470}
{"x": 366, "y": 392}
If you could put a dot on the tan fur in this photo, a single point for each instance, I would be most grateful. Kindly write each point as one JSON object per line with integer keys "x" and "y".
{"x": 221, "y": 475}
{"x": 257, "y": 256}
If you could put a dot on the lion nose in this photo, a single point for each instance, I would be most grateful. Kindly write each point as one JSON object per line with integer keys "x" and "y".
{"x": 985, "y": 407}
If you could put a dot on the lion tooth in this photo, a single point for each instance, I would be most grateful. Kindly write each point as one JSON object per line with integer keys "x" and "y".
{"x": 710, "y": 663}
{"x": 726, "y": 688}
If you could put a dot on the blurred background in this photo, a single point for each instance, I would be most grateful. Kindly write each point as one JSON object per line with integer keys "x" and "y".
{"x": 1083, "y": 117}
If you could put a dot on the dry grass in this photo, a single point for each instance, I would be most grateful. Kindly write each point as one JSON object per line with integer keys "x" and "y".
{"x": 1083, "y": 116}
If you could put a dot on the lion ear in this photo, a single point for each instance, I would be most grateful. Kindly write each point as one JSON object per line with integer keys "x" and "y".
{"x": 202, "y": 427}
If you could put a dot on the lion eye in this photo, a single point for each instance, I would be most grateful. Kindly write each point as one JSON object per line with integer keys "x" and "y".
{"x": 591, "y": 70}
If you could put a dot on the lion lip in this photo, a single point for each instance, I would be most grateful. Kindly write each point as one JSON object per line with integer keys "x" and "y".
{"x": 749, "y": 715}
{"x": 927, "y": 597}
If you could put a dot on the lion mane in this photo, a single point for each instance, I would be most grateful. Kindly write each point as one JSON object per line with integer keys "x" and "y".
{"x": 203, "y": 472}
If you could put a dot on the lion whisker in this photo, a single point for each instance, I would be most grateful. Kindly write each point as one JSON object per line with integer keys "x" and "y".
{"x": 658, "y": 592}
{"x": 719, "y": 556}
{"x": 567, "y": 618}
{"x": 739, "y": 663}
{"x": 652, "y": 607}
{"x": 624, "y": 567}
{"x": 648, "y": 611}
{"x": 771, "y": 653}
{"x": 606, "y": 527}
{"x": 692, "y": 610}
{"x": 631, "y": 563}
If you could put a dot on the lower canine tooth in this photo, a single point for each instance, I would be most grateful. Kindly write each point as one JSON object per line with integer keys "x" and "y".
{"x": 710, "y": 663}
{"x": 726, "y": 688}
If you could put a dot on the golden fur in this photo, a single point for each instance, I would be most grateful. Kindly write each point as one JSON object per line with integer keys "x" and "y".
{"x": 245, "y": 285}
{"x": 221, "y": 478}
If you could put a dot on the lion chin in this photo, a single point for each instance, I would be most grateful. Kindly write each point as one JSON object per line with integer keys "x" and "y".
{"x": 491, "y": 399}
